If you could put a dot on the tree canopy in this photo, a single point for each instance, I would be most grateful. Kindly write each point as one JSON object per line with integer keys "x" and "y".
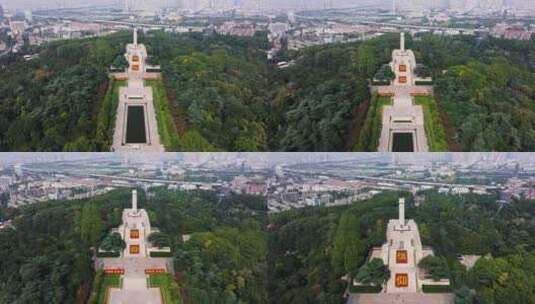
{"x": 375, "y": 273}
{"x": 224, "y": 95}
{"x": 311, "y": 249}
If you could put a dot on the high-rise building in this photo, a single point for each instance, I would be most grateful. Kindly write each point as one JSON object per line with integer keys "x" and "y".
{"x": 522, "y": 4}
{"x": 469, "y": 5}
{"x": 1, "y": 12}
{"x": 28, "y": 15}
{"x": 457, "y": 5}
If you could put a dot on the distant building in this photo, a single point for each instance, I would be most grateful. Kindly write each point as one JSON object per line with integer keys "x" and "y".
{"x": 530, "y": 193}
{"x": 254, "y": 186}
{"x": 457, "y": 5}
{"x": 468, "y": 260}
{"x": 291, "y": 17}
{"x": 511, "y": 31}
{"x": 18, "y": 170}
{"x": 28, "y": 16}
{"x": 1, "y": 12}
{"x": 18, "y": 27}
{"x": 236, "y": 29}
{"x": 460, "y": 190}
{"x": 278, "y": 29}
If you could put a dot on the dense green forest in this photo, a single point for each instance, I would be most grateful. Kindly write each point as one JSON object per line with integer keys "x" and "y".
{"x": 311, "y": 249}
{"x": 485, "y": 90}
{"x": 51, "y": 103}
{"x": 217, "y": 89}
{"x": 485, "y": 93}
{"x": 223, "y": 94}
{"x": 47, "y": 257}
{"x": 321, "y": 102}
{"x": 225, "y": 259}
{"x": 226, "y": 96}
{"x": 60, "y": 101}
{"x": 301, "y": 259}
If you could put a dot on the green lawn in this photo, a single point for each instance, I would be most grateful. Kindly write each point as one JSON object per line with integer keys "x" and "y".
{"x": 371, "y": 130}
{"x": 100, "y": 286}
{"x": 168, "y": 287}
{"x": 106, "y": 115}
{"x": 436, "y": 136}
{"x": 166, "y": 125}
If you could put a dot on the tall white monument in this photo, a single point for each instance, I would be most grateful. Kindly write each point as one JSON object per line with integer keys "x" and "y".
{"x": 403, "y": 121}
{"x": 135, "y": 230}
{"x": 136, "y": 127}
{"x": 403, "y": 64}
{"x": 136, "y": 55}
{"x": 402, "y": 225}
{"x": 402, "y": 252}
{"x": 136, "y": 262}
{"x": 134, "y": 202}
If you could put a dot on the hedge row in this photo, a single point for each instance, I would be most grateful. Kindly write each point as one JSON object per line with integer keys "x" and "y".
{"x": 97, "y": 281}
{"x": 436, "y": 288}
{"x": 436, "y": 135}
{"x": 365, "y": 289}
{"x": 371, "y": 129}
{"x": 160, "y": 254}
{"x": 108, "y": 254}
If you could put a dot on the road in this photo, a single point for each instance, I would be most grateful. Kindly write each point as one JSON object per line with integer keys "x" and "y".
{"x": 411, "y": 182}
{"x": 403, "y": 26}
{"x": 424, "y": 183}
{"x": 123, "y": 178}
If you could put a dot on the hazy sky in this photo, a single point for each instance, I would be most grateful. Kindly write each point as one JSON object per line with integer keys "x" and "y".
{"x": 277, "y": 4}
{"x": 25, "y": 4}
{"x": 276, "y": 158}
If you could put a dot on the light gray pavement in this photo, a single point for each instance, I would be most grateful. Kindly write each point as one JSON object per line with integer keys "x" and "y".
{"x": 134, "y": 288}
{"x": 151, "y": 125}
{"x": 136, "y": 94}
{"x": 141, "y": 296}
{"x": 401, "y": 298}
{"x": 134, "y": 267}
{"x": 403, "y": 116}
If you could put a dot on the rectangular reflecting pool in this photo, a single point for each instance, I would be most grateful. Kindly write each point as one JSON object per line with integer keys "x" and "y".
{"x": 403, "y": 142}
{"x": 135, "y": 125}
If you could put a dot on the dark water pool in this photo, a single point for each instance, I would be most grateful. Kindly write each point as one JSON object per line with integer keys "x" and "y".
{"x": 403, "y": 142}
{"x": 135, "y": 125}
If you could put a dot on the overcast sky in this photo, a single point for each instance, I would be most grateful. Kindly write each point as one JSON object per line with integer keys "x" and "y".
{"x": 25, "y": 4}
{"x": 276, "y": 158}
{"x": 285, "y": 4}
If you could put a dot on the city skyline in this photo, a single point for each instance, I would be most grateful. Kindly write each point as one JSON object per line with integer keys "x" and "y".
{"x": 266, "y": 4}
{"x": 273, "y": 158}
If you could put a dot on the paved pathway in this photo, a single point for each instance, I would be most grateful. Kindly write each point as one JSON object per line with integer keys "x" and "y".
{"x": 134, "y": 267}
{"x": 136, "y": 94}
{"x": 153, "y": 144}
{"x": 134, "y": 289}
{"x": 124, "y": 296}
{"x": 403, "y": 116}
{"x": 401, "y": 298}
